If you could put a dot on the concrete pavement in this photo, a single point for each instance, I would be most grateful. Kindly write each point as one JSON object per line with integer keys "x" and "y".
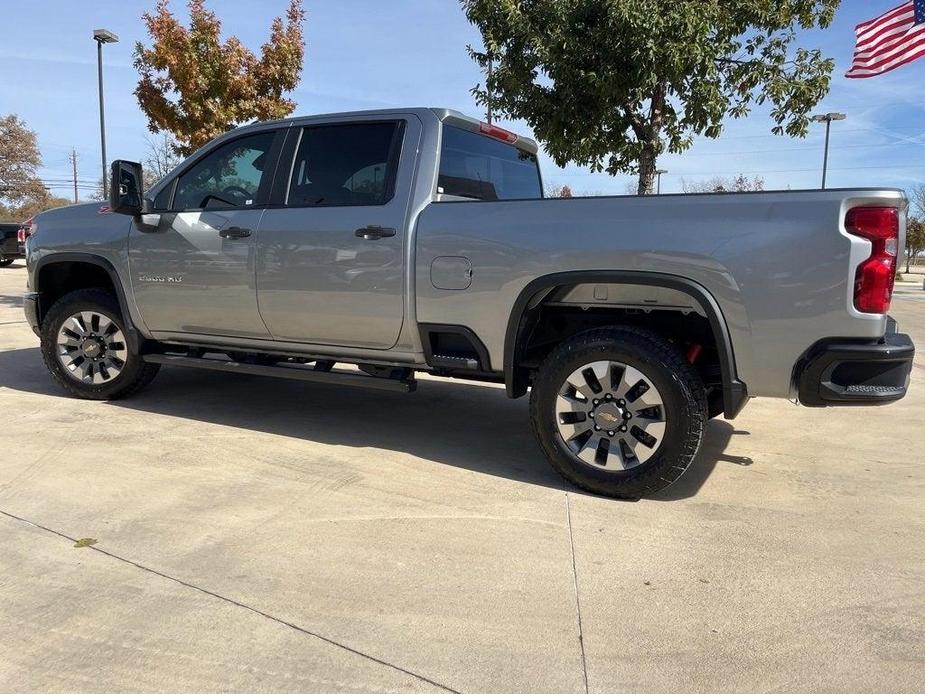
{"x": 269, "y": 535}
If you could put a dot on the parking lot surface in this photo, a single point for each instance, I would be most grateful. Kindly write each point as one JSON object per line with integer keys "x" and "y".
{"x": 269, "y": 535}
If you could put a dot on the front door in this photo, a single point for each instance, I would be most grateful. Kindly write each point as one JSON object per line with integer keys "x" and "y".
{"x": 330, "y": 256}
{"x": 194, "y": 272}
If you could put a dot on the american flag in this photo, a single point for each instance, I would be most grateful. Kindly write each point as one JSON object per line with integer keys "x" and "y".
{"x": 890, "y": 40}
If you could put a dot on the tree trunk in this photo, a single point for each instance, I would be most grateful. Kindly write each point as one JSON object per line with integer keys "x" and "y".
{"x": 651, "y": 142}
{"x": 647, "y": 170}
{"x": 908, "y": 258}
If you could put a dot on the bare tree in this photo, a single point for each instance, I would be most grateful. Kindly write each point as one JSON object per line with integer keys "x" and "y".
{"x": 915, "y": 229}
{"x": 917, "y": 200}
{"x": 718, "y": 184}
{"x": 555, "y": 191}
{"x": 161, "y": 159}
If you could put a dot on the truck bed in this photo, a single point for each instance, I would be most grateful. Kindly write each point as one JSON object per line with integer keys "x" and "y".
{"x": 777, "y": 264}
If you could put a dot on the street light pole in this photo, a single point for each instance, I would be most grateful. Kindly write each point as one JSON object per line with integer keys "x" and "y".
{"x": 827, "y": 118}
{"x": 658, "y": 185}
{"x": 102, "y": 36}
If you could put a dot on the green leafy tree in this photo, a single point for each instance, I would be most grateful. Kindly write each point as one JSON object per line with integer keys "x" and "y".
{"x": 612, "y": 84}
{"x": 195, "y": 86}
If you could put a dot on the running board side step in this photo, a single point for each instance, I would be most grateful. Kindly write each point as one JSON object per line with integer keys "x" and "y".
{"x": 297, "y": 373}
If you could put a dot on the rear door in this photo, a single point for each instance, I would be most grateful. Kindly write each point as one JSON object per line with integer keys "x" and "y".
{"x": 195, "y": 271}
{"x": 332, "y": 251}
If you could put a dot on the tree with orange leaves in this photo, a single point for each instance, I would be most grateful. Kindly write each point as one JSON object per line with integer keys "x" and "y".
{"x": 195, "y": 87}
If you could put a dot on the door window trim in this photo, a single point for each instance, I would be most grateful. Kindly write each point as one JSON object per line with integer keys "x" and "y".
{"x": 280, "y": 194}
{"x": 261, "y": 199}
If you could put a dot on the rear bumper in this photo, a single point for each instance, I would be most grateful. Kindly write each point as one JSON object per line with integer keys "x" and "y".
{"x": 843, "y": 372}
{"x": 30, "y": 306}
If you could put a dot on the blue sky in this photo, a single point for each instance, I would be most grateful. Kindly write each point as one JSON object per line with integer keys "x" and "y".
{"x": 373, "y": 54}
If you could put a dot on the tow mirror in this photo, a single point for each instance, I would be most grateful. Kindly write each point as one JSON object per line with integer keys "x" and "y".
{"x": 125, "y": 188}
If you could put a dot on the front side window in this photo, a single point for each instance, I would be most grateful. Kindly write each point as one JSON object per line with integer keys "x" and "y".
{"x": 162, "y": 201}
{"x": 226, "y": 178}
{"x": 482, "y": 168}
{"x": 351, "y": 164}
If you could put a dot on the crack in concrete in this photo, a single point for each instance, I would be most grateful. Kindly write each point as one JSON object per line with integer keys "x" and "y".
{"x": 581, "y": 637}
{"x": 231, "y": 601}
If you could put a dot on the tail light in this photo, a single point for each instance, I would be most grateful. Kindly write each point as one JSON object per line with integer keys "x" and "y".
{"x": 873, "y": 282}
{"x": 25, "y": 231}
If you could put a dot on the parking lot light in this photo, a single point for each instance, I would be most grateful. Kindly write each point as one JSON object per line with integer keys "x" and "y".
{"x": 102, "y": 36}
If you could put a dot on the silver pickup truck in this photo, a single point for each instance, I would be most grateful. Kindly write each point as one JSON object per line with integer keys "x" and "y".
{"x": 418, "y": 240}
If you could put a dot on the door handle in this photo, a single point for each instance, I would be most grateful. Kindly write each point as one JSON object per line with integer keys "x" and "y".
{"x": 374, "y": 233}
{"x": 234, "y": 233}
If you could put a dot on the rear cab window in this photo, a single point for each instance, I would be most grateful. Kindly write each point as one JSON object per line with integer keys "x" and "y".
{"x": 478, "y": 167}
{"x": 352, "y": 164}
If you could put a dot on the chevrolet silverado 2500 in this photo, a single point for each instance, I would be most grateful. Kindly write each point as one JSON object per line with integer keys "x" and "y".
{"x": 418, "y": 240}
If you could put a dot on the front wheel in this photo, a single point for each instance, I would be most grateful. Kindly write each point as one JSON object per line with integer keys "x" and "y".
{"x": 85, "y": 348}
{"x": 618, "y": 411}
{"x": 6, "y": 262}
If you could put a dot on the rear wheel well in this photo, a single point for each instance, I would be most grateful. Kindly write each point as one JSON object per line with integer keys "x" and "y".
{"x": 677, "y": 310}
{"x": 689, "y": 332}
{"x": 54, "y": 280}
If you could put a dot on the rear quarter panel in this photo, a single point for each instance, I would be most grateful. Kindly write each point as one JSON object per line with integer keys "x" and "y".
{"x": 779, "y": 265}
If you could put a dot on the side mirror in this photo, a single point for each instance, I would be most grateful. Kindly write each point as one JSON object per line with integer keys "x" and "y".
{"x": 125, "y": 188}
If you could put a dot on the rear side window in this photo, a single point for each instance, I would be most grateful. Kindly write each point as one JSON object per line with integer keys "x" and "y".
{"x": 482, "y": 168}
{"x": 350, "y": 164}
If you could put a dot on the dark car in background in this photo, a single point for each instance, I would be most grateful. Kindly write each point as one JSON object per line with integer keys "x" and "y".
{"x": 11, "y": 247}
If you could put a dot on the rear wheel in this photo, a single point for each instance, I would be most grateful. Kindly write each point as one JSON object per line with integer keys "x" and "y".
{"x": 85, "y": 348}
{"x": 618, "y": 411}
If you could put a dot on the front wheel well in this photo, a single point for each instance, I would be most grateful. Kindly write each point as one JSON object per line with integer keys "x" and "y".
{"x": 55, "y": 279}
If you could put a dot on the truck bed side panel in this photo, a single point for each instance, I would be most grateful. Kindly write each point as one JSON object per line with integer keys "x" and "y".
{"x": 779, "y": 265}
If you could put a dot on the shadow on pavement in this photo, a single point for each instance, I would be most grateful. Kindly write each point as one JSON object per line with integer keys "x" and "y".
{"x": 12, "y": 299}
{"x": 470, "y": 426}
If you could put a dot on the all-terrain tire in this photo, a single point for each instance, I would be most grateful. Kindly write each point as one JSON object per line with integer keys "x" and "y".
{"x": 135, "y": 374}
{"x": 683, "y": 406}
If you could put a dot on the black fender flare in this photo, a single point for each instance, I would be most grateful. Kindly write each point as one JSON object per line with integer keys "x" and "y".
{"x": 735, "y": 392}
{"x": 132, "y": 335}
